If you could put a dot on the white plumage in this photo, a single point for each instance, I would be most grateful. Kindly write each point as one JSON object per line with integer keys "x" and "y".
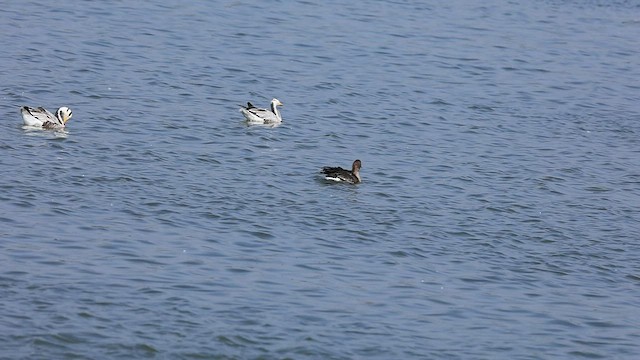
{"x": 262, "y": 116}
{"x": 41, "y": 117}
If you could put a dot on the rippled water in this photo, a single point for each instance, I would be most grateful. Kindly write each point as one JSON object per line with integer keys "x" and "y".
{"x": 498, "y": 217}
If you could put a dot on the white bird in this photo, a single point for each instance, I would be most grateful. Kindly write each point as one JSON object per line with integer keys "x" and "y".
{"x": 263, "y": 116}
{"x": 340, "y": 174}
{"x": 41, "y": 117}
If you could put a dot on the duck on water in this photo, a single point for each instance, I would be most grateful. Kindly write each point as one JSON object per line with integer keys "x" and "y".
{"x": 262, "y": 116}
{"x": 41, "y": 117}
{"x": 342, "y": 175}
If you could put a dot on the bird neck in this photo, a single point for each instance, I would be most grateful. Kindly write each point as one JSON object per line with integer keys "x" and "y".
{"x": 274, "y": 109}
{"x": 356, "y": 173}
{"x": 60, "y": 118}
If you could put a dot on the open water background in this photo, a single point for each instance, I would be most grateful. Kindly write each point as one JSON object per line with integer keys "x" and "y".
{"x": 499, "y": 217}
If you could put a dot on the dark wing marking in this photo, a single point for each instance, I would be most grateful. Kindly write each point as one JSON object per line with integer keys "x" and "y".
{"x": 329, "y": 170}
{"x": 41, "y": 114}
{"x": 50, "y": 125}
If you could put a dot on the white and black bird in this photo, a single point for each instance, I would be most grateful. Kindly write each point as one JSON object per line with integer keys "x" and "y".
{"x": 41, "y": 117}
{"x": 340, "y": 174}
{"x": 262, "y": 116}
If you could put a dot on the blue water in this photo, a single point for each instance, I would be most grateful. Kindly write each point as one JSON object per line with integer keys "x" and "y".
{"x": 498, "y": 216}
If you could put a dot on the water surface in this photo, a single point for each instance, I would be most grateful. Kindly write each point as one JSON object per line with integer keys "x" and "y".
{"x": 498, "y": 217}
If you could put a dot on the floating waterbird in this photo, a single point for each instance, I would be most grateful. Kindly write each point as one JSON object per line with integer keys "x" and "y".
{"x": 262, "y": 116}
{"x": 41, "y": 117}
{"x": 340, "y": 174}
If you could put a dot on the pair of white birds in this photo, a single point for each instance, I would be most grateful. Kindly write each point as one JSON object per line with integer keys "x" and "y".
{"x": 40, "y": 117}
